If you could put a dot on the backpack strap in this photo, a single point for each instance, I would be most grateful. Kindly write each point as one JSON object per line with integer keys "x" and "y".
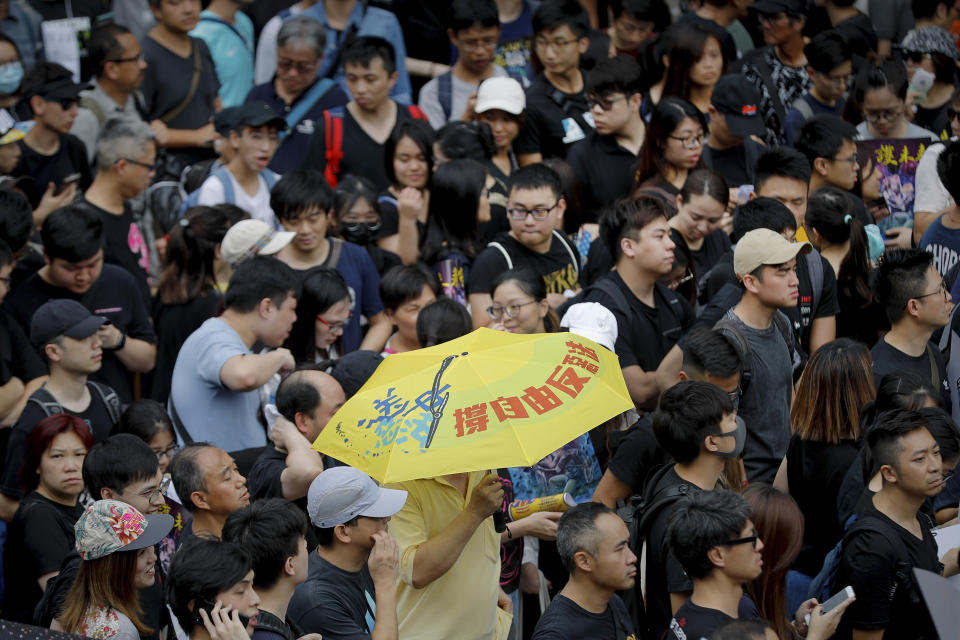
{"x": 336, "y": 249}
{"x": 232, "y": 28}
{"x": 607, "y": 286}
{"x": 934, "y": 369}
{"x": 417, "y": 113}
{"x": 731, "y": 329}
{"x": 445, "y": 93}
{"x": 109, "y": 398}
{"x": 228, "y": 195}
{"x": 566, "y": 245}
{"x": 182, "y": 434}
{"x": 803, "y": 107}
{"x": 308, "y": 102}
{"x": 270, "y": 178}
{"x": 194, "y": 83}
{"x": 94, "y": 107}
{"x": 785, "y": 327}
{"x": 815, "y": 271}
{"x": 45, "y": 400}
{"x": 333, "y": 143}
{"x": 506, "y": 256}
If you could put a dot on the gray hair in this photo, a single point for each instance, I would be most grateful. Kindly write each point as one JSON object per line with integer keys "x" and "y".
{"x": 577, "y": 531}
{"x": 187, "y": 475}
{"x": 704, "y": 520}
{"x": 122, "y": 137}
{"x": 303, "y": 31}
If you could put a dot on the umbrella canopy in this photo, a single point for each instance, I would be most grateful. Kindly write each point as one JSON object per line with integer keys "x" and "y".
{"x": 487, "y": 400}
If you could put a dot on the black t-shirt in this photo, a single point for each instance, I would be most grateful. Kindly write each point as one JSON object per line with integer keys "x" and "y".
{"x": 559, "y": 266}
{"x": 887, "y": 359}
{"x": 664, "y": 573}
{"x": 96, "y": 415}
{"x": 638, "y": 453}
{"x": 69, "y": 159}
{"x": 18, "y": 357}
{"x": 604, "y": 168}
{"x": 869, "y": 563}
{"x": 335, "y": 603}
{"x": 554, "y": 120}
{"x": 174, "y": 323}
{"x": 730, "y": 163}
{"x": 859, "y": 33}
{"x": 58, "y": 10}
{"x": 599, "y": 263}
{"x": 114, "y": 295}
{"x": 645, "y": 334}
{"x": 124, "y": 244}
{"x": 815, "y": 472}
{"x": 715, "y": 246}
{"x": 564, "y": 619}
{"x": 693, "y": 622}
{"x": 38, "y": 539}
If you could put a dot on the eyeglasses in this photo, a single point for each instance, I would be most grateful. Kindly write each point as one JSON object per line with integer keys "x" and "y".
{"x": 538, "y": 213}
{"x": 169, "y": 452}
{"x": 889, "y": 115}
{"x": 735, "y": 397}
{"x": 673, "y": 284}
{"x": 853, "y": 159}
{"x": 915, "y": 57}
{"x": 605, "y": 104}
{"x": 512, "y": 309}
{"x": 942, "y": 290}
{"x": 359, "y": 226}
{"x": 691, "y": 142}
{"x": 544, "y": 44}
{"x": 148, "y": 167}
{"x": 838, "y": 81}
{"x": 946, "y": 474}
{"x": 302, "y": 68}
{"x": 952, "y": 113}
{"x": 157, "y": 493}
{"x": 65, "y": 103}
{"x": 136, "y": 58}
{"x": 335, "y": 326}
{"x": 490, "y": 44}
{"x": 748, "y": 540}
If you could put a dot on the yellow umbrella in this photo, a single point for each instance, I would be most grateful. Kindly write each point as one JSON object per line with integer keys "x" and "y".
{"x": 489, "y": 399}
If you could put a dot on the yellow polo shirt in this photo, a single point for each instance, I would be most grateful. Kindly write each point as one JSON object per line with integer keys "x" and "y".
{"x": 462, "y": 603}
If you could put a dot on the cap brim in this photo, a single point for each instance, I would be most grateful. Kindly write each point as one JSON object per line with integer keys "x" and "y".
{"x": 388, "y": 503}
{"x": 158, "y": 526}
{"x": 279, "y": 240}
{"x": 276, "y": 121}
{"x": 788, "y": 252}
{"x": 766, "y": 6}
{"x": 72, "y": 91}
{"x": 85, "y": 328}
{"x": 744, "y": 127}
{"x": 490, "y": 105}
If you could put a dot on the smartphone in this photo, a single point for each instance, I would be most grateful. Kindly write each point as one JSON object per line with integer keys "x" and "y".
{"x": 208, "y": 605}
{"x": 69, "y": 180}
{"x": 833, "y": 602}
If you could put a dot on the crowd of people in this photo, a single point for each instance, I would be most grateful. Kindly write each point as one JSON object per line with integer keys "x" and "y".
{"x": 218, "y": 218}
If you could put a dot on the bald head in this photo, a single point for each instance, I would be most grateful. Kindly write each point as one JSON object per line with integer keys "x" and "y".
{"x": 309, "y": 398}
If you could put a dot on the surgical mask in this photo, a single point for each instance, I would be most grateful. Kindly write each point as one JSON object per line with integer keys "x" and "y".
{"x": 11, "y": 74}
{"x": 739, "y": 436}
{"x": 362, "y": 233}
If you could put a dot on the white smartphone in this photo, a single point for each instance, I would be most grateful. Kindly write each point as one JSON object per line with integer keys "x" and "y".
{"x": 833, "y": 602}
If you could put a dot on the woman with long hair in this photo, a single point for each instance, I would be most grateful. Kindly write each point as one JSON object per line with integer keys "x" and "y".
{"x": 880, "y": 91}
{"x": 835, "y": 231}
{"x": 694, "y": 61}
{"x": 520, "y": 304}
{"x": 115, "y": 542}
{"x": 322, "y": 311}
{"x": 825, "y": 418}
{"x": 700, "y": 206}
{"x": 192, "y": 282}
{"x": 356, "y": 217}
{"x": 672, "y": 147}
{"x": 403, "y": 206}
{"x": 41, "y": 532}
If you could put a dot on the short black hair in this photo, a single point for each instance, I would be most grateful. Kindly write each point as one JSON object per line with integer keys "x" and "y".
{"x": 442, "y": 321}
{"x": 884, "y": 436}
{"x": 555, "y": 14}
{"x": 406, "y": 282}
{"x": 458, "y": 139}
{"x": 885, "y": 74}
{"x": 823, "y": 136}
{"x": 655, "y": 11}
{"x": 103, "y": 45}
{"x": 41, "y": 74}
{"x": 743, "y": 629}
{"x": 145, "y": 419}
{"x": 16, "y": 219}
{"x": 258, "y": 278}
{"x": 783, "y": 162}
{"x": 270, "y": 530}
{"x": 625, "y": 218}
{"x": 298, "y": 191}
{"x": 296, "y": 395}
{"x": 619, "y": 74}
{"x": 577, "y": 531}
{"x": 709, "y": 352}
{"x": 826, "y": 51}
{"x": 473, "y": 13}
{"x": 198, "y": 572}
{"x": 117, "y": 462}
{"x": 701, "y": 521}
{"x": 422, "y": 135}
{"x": 948, "y": 169}
{"x": 901, "y": 275}
{"x": 72, "y": 233}
{"x": 689, "y": 411}
{"x": 762, "y": 213}
{"x": 187, "y": 475}
{"x": 365, "y": 49}
{"x": 925, "y": 9}
{"x": 944, "y": 430}
{"x": 536, "y": 176}
{"x": 6, "y": 255}
{"x": 325, "y": 535}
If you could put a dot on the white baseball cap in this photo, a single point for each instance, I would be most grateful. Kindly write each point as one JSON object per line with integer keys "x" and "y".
{"x": 505, "y": 94}
{"x": 341, "y": 494}
{"x": 250, "y": 238}
{"x": 592, "y": 320}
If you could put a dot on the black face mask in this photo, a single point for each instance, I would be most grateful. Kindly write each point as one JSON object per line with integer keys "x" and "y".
{"x": 362, "y": 233}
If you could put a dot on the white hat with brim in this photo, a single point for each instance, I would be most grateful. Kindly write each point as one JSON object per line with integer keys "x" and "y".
{"x": 250, "y": 238}
{"x": 340, "y": 494}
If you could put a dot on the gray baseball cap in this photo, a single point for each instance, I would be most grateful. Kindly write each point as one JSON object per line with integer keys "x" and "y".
{"x": 341, "y": 494}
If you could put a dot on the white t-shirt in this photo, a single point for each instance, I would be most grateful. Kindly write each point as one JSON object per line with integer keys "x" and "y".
{"x": 258, "y": 206}
{"x": 460, "y": 93}
{"x": 265, "y": 64}
{"x": 932, "y": 196}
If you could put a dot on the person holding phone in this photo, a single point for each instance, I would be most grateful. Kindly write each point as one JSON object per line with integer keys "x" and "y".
{"x": 116, "y": 545}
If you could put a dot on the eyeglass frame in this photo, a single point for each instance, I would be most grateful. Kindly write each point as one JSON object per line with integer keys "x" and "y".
{"x": 160, "y": 490}
{"x": 887, "y": 115}
{"x": 302, "y": 68}
{"x": 136, "y": 58}
{"x": 854, "y": 159}
{"x": 697, "y": 141}
{"x": 471, "y": 46}
{"x": 65, "y": 103}
{"x": 942, "y": 290}
{"x": 738, "y": 541}
{"x": 512, "y": 212}
{"x": 605, "y": 104}
{"x": 170, "y": 451}
{"x": 150, "y": 167}
{"x": 334, "y": 326}
{"x": 540, "y": 43}
{"x": 505, "y": 309}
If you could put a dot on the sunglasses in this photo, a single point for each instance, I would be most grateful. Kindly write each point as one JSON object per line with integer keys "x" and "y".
{"x": 952, "y": 113}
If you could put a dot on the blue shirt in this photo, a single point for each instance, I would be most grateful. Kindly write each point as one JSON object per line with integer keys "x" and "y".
{"x": 943, "y": 243}
{"x": 22, "y": 25}
{"x": 232, "y": 49}
{"x": 375, "y": 22}
{"x": 363, "y": 280}
{"x": 514, "y": 52}
{"x": 795, "y": 119}
{"x": 293, "y": 149}
{"x": 209, "y": 410}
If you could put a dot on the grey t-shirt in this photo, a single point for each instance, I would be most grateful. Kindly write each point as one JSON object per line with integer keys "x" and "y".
{"x": 209, "y": 410}
{"x": 461, "y": 91}
{"x": 765, "y": 404}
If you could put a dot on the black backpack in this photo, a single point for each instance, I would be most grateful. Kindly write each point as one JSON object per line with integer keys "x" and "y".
{"x": 639, "y": 515}
{"x": 731, "y": 329}
{"x": 49, "y": 405}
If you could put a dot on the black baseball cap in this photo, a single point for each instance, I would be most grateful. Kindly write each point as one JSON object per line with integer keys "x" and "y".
{"x": 771, "y": 7}
{"x": 257, "y": 114}
{"x": 739, "y": 101}
{"x": 225, "y": 120}
{"x": 62, "y": 317}
{"x": 62, "y": 88}
{"x": 354, "y": 369}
